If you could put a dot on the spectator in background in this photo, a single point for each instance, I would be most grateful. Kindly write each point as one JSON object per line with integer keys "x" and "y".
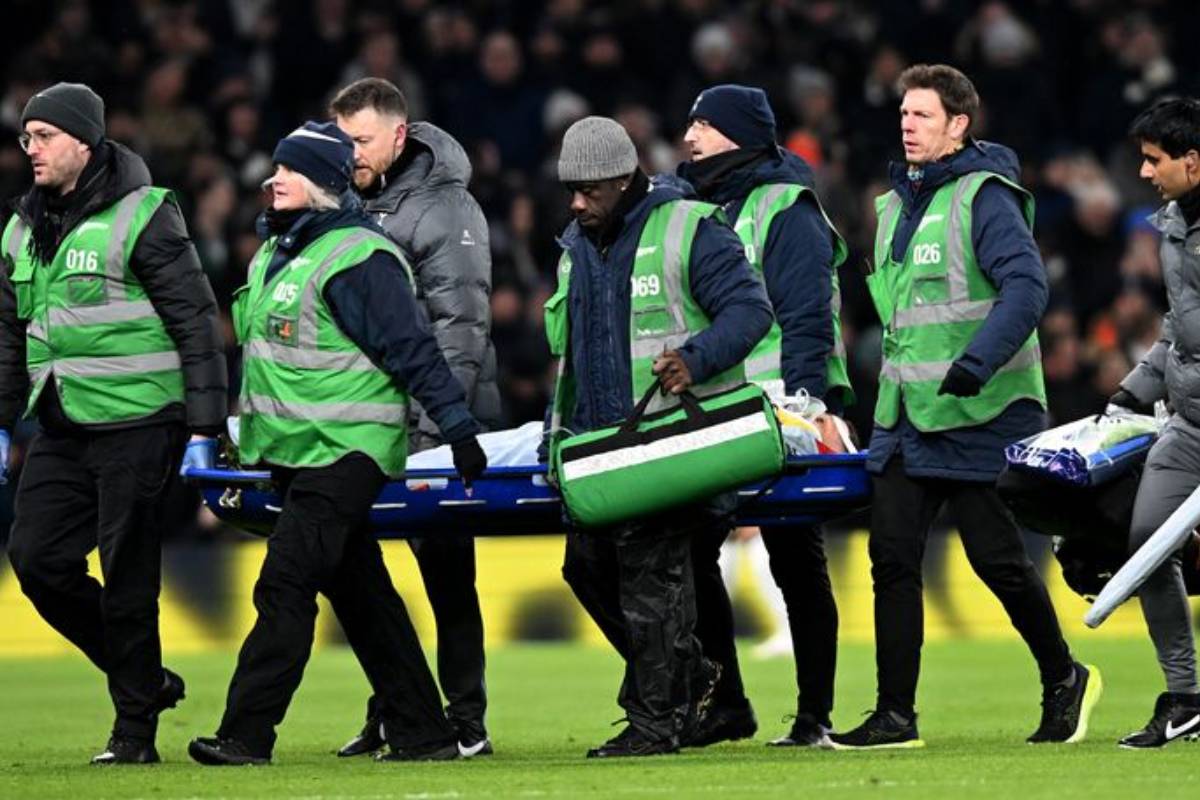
{"x": 497, "y": 106}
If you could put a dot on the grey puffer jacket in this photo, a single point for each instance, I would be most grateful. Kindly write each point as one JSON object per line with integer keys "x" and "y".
{"x": 1171, "y": 368}
{"x": 426, "y": 209}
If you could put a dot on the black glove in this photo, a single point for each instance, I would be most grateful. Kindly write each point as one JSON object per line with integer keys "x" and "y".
{"x": 1129, "y": 400}
{"x": 469, "y": 460}
{"x": 960, "y": 382}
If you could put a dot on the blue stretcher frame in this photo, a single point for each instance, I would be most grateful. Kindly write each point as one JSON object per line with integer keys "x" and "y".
{"x": 517, "y": 501}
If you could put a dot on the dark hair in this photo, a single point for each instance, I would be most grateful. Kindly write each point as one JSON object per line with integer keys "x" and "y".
{"x": 1172, "y": 124}
{"x": 953, "y": 88}
{"x": 376, "y": 93}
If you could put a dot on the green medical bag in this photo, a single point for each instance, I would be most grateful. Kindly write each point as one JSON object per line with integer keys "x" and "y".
{"x": 654, "y": 462}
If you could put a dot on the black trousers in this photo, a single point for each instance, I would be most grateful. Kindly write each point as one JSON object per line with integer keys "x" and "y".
{"x": 101, "y": 490}
{"x": 902, "y": 512}
{"x": 636, "y": 582}
{"x": 323, "y": 543}
{"x": 800, "y": 570}
{"x": 447, "y": 567}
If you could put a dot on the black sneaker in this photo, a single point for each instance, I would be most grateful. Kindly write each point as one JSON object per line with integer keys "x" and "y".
{"x": 369, "y": 740}
{"x": 722, "y": 724}
{"x": 882, "y": 729}
{"x": 472, "y": 739}
{"x": 126, "y": 750}
{"x": 1176, "y": 716}
{"x": 171, "y": 693}
{"x": 807, "y": 731}
{"x": 631, "y": 743}
{"x": 436, "y": 752}
{"x": 214, "y": 751}
{"x": 1066, "y": 709}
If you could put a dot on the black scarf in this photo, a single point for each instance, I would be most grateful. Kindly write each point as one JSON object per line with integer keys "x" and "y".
{"x": 48, "y": 211}
{"x": 707, "y": 174}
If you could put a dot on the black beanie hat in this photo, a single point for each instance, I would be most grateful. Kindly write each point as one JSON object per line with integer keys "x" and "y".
{"x": 321, "y": 152}
{"x": 73, "y": 107}
{"x": 742, "y": 113}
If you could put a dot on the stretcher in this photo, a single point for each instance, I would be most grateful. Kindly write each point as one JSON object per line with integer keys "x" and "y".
{"x": 518, "y": 501}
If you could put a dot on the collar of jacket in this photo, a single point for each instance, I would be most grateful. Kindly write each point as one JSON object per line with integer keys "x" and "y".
{"x": 1170, "y": 222}
{"x": 431, "y": 159}
{"x": 118, "y": 171}
{"x": 307, "y": 228}
{"x": 975, "y": 156}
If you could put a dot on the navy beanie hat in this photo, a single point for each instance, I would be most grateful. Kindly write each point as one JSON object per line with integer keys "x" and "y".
{"x": 742, "y": 113}
{"x": 321, "y": 152}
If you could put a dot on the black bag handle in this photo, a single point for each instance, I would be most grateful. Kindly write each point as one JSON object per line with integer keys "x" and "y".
{"x": 687, "y": 401}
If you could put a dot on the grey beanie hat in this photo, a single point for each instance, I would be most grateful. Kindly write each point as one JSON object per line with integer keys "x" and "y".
{"x": 596, "y": 149}
{"x": 73, "y": 107}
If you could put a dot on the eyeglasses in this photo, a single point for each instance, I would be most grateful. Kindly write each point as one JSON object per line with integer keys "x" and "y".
{"x": 41, "y": 138}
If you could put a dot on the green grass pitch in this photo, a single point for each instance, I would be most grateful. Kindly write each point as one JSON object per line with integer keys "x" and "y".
{"x": 549, "y": 703}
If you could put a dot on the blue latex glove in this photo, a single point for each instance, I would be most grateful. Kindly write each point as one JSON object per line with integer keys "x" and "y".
{"x": 201, "y": 453}
{"x": 5, "y": 445}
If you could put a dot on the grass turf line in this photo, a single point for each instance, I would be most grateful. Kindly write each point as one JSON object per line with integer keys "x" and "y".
{"x": 549, "y": 703}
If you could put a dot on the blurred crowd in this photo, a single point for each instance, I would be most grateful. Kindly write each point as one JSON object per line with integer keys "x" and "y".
{"x": 204, "y": 88}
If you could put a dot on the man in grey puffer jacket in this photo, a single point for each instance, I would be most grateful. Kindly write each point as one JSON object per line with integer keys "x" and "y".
{"x": 413, "y": 179}
{"x": 1169, "y": 134}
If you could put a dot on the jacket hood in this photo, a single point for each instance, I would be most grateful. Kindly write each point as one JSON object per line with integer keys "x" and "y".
{"x": 436, "y": 161}
{"x": 123, "y": 172}
{"x": 977, "y": 156}
{"x": 663, "y": 189}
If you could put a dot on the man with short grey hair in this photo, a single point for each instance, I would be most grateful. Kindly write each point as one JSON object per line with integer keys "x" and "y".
{"x": 635, "y": 579}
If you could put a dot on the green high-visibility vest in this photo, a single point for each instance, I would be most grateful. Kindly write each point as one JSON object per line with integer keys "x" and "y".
{"x": 663, "y": 313}
{"x": 932, "y": 305}
{"x": 90, "y": 327}
{"x": 309, "y": 395}
{"x": 764, "y": 364}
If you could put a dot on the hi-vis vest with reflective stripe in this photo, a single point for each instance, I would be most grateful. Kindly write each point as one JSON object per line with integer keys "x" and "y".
{"x": 663, "y": 313}
{"x": 309, "y": 395}
{"x": 764, "y": 364}
{"x": 932, "y": 304}
{"x": 90, "y": 326}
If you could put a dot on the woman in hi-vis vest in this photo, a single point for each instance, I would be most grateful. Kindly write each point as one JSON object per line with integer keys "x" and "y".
{"x": 333, "y": 344}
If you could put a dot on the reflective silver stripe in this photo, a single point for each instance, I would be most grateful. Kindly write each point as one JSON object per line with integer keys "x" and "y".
{"x": 118, "y": 233}
{"x": 955, "y": 246}
{"x": 839, "y": 344}
{"x": 942, "y": 313}
{"x": 106, "y": 313}
{"x": 652, "y": 346}
{"x": 560, "y": 382}
{"x": 15, "y": 237}
{"x": 37, "y": 330}
{"x": 308, "y": 359}
{"x": 385, "y": 414}
{"x": 760, "y": 365}
{"x": 308, "y": 305}
{"x": 760, "y": 231}
{"x": 1025, "y": 358}
{"x": 672, "y": 262}
{"x": 885, "y": 226}
{"x": 105, "y": 366}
